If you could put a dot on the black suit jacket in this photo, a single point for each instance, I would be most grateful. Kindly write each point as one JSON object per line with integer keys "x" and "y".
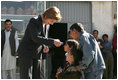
{"x": 33, "y": 38}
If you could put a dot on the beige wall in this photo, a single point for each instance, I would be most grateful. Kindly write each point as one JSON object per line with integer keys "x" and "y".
{"x": 102, "y": 17}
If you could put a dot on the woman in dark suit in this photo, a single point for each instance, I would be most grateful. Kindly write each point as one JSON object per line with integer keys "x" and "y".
{"x": 34, "y": 37}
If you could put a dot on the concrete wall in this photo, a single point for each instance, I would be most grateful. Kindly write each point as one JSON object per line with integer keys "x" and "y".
{"x": 102, "y": 18}
{"x": 74, "y": 11}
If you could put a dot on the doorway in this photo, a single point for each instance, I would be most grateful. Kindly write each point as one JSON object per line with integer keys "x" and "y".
{"x": 57, "y": 31}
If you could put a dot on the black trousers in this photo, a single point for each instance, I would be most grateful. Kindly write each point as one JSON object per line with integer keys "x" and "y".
{"x": 29, "y": 67}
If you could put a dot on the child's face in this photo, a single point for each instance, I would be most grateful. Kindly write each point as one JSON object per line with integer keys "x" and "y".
{"x": 105, "y": 38}
{"x": 70, "y": 58}
{"x": 67, "y": 48}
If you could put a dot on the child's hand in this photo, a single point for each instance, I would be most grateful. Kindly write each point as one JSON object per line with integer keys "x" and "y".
{"x": 59, "y": 70}
{"x": 78, "y": 68}
{"x": 57, "y": 74}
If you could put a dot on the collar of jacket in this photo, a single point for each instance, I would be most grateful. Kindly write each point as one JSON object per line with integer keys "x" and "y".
{"x": 81, "y": 34}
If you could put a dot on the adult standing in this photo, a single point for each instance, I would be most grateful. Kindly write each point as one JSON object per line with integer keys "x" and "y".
{"x": 9, "y": 46}
{"x": 35, "y": 37}
{"x": 92, "y": 61}
{"x": 95, "y": 34}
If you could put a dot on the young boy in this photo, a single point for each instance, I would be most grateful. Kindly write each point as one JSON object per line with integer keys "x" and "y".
{"x": 108, "y": 57}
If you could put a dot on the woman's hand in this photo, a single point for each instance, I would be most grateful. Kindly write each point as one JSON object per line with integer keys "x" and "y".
{"x": 46, "y": 49}
{"x": 57, "y": 42}
{"x": 16, "y": 54}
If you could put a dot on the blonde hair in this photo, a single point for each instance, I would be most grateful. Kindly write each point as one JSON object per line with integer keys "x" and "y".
{"x": 52, "y": 13}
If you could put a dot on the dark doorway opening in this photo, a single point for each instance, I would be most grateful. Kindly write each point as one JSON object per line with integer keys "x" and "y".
{"x": 58, "y": 31}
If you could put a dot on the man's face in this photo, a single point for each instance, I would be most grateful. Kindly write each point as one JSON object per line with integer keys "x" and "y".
{"x": 74, "y": 34}
{"x": 95, "y": 34}
{"x": 8, "y": 26}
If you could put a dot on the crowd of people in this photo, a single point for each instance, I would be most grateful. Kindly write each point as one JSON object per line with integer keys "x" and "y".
{"x": 108, "y": 50}
{"x": 87, "y": 56}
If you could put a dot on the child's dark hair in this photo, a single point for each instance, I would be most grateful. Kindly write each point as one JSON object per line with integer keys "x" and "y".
{"x": 75, "y": 50}
{"x": 74, "y": 44}
{"x": 104, "y": 35}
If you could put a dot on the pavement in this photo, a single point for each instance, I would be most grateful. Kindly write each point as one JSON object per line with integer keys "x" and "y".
{"x": 17, "y": 75}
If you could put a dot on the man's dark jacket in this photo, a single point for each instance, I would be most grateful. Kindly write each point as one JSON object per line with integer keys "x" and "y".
{"x": 11, "y": 41}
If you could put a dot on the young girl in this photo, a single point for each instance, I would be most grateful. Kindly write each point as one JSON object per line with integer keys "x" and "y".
{"x": 69, "y": 71}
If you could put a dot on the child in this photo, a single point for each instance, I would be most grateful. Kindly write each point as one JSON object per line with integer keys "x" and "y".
{"x": 69, "y": 71}
{"x": 108, "y": 57}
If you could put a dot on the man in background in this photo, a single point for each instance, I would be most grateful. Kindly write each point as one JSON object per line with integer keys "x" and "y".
{"x": 9, "y": 46}
{"x": 95, "y": 34}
